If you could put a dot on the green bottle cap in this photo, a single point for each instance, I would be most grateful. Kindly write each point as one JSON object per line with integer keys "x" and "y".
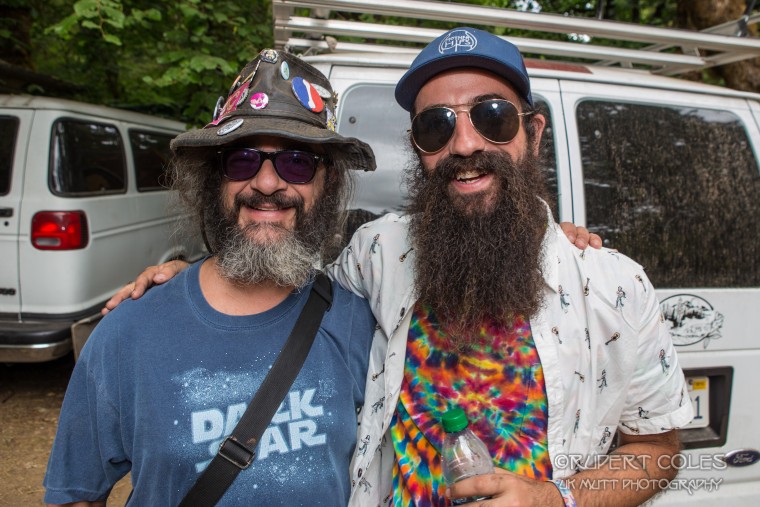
{"x": 454, "y": 420}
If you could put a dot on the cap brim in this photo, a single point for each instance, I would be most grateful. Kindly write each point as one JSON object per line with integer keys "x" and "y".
{"x": 359, "y": 154}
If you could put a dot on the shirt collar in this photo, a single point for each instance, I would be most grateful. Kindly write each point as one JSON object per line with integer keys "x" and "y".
{"x": 550, "y": 251}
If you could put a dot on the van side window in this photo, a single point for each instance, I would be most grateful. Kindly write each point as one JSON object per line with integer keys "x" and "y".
{"x": 8, "y": 129}
{"x": 151, "y": 154}
{"x": 87, "y": 158}
{"x": 676, "y": 188}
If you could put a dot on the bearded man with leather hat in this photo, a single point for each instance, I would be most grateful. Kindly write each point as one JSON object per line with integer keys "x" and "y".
{"x": 164, "y": 380}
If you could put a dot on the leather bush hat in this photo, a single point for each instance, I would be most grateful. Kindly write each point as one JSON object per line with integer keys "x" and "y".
{"x": 278, "y": 94}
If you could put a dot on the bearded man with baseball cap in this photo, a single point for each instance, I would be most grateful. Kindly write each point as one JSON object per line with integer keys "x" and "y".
{"x": 487, "y": 307}
{"x": 163, "y": 380}
{"x": 481, "y": 303}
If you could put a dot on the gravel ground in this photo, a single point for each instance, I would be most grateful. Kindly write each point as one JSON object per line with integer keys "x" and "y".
{"x": 30, "y": 400}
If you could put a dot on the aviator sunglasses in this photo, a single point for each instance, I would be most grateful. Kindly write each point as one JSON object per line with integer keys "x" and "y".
{"x": 497, "y": 120}
{"x": 293, "y": 166}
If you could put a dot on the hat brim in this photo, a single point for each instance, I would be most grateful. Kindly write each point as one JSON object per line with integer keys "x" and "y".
{"x": 358, "y": 154}
{"x": 410, "y": 84}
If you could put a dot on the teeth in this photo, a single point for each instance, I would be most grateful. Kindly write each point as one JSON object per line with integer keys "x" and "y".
{"x": 468, "y": 175}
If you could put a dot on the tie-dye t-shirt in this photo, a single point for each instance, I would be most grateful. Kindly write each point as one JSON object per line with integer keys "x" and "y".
{"x": 498, "y": 382}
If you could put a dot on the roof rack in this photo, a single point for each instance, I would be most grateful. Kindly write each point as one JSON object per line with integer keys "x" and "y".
{"x": 714, "y": 46}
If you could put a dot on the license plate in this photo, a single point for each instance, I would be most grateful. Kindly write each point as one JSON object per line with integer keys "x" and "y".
{"x": 699, "y": 392}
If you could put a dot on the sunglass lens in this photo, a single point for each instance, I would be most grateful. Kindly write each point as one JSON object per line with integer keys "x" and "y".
{"x": 241, "y": 164}
{"x": 496, "y": 120}
{"x": 432, "y": 129}
{"x": 296, "y": 166}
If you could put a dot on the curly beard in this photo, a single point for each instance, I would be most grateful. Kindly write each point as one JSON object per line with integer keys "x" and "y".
{"x": 288, "y": 259}
{"x": 478, "y": 259}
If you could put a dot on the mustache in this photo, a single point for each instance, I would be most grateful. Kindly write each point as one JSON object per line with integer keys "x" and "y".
{"x": 482, "y": 162}
{"x": 278, "y": 199}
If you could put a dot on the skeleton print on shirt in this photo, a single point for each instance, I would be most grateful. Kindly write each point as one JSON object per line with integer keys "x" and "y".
{"x": 620, "y": 297}
{"x": 564, "y": 299}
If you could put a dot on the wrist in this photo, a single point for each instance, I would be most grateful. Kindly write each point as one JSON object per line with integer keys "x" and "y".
{"x": 564, "y": 491}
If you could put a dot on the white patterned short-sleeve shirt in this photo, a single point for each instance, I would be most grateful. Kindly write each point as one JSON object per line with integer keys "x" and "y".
{"x": 608, "y": 360}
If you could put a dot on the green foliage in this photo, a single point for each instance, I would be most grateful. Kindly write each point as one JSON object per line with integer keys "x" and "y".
{"x": 170, "y": 58}
{"x": 176, "y": 58}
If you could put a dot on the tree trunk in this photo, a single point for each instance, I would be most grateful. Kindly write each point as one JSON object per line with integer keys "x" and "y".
{"x": 16, "y": 49}
{"x": 700, "y": 14}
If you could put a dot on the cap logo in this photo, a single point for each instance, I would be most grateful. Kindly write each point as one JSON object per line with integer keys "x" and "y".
{"x": 458, "y": 40}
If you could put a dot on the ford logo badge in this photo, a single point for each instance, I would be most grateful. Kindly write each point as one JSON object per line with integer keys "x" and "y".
{"x": 742, "y": 457}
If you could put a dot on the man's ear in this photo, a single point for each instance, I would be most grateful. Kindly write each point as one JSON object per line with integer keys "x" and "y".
{"x": 539, "y": 124}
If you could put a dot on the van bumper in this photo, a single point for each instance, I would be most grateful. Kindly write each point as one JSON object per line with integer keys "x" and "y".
{"x": 34, "y": 342}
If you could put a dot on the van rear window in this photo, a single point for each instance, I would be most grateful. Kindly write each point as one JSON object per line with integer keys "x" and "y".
{"x": 151, "y": 154}
{"x": 87, "y": 158}
{"x": 8, "y": 130}
{"x": 676, "y": 188}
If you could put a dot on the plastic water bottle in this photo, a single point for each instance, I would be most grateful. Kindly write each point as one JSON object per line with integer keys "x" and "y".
{"x": 464, "y": 454}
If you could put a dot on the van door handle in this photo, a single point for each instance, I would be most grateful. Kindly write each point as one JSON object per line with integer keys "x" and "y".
{"x": 6, "y": 212}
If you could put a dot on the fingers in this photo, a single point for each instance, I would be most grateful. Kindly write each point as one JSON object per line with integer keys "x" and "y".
{"x": 569, "y": 229}
{"x": 166, "y": 271}
{"x": 580, "y": 236}
{"x": 150, "y": 276}
{"x": 117, "y": 298}
{"x": 595, "y": 241}
{"x": 488, "y": 485}
{"x": 507, "y": 488}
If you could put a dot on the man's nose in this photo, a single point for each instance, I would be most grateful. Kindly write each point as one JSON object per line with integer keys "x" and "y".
{"x": 466, "y": 140}
{"x": 267, "y": 181}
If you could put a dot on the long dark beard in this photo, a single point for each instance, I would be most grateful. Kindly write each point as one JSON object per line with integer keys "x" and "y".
{"x": 287, "y": 260}
{"x": 475, "y": 265}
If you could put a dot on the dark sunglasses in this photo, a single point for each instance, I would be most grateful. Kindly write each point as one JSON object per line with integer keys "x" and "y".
{"x": 293, "y": 166}
{"x": 497, "y": 120}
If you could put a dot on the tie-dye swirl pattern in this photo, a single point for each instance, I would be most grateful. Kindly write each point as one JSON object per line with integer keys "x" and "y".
{"x": 500, "y": 385}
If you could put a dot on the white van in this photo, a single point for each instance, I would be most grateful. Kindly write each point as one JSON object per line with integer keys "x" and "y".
{"x": 666, "y": 170}
{"x": 83, "y": 203}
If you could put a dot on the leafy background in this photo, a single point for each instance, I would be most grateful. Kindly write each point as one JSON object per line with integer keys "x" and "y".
{"x": 175, "y": 58}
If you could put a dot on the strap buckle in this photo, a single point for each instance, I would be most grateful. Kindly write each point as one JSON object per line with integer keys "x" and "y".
{"x": 236, "y": 453}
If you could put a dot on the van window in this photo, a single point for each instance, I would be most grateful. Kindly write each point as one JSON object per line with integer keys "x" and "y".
{"x": 151, "y": 155}
{"x": 87, "y": 158}
{"x": 8, "y": 129}
{"x": 676, "y": 188}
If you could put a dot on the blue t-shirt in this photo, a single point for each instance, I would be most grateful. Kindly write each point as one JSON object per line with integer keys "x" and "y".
{"x": 164, "y": 379}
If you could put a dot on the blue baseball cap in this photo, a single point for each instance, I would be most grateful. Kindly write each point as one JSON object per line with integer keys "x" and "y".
{"x": 464, "y": 47}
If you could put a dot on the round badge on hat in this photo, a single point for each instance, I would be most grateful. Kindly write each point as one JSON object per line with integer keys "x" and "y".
{"x": 285, "y": 71}
{"x": 269, "y": 55}
{"x": 229, "y": 127}
{"x": 322, "y": 91}
{"x": 307, "y": 95}
{"x": 259, "y": 100}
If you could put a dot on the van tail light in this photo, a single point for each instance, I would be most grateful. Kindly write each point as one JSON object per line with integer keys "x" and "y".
{"x": 60, "y": 230}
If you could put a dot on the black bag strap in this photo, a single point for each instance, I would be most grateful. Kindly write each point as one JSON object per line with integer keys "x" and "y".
{"x": 238, "y": 450}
